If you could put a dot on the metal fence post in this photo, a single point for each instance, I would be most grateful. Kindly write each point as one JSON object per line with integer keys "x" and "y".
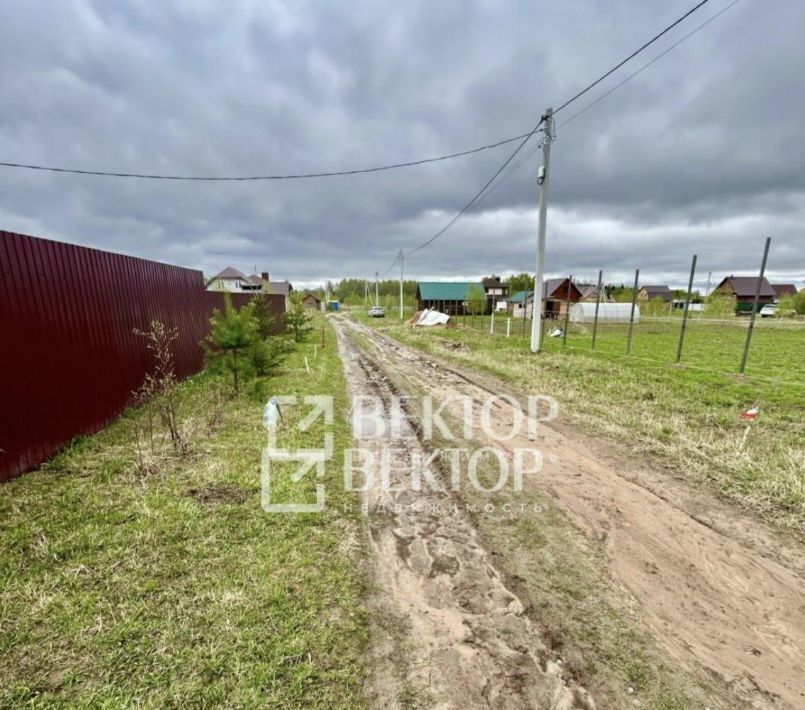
{"x": 685, "y": 313}
{"x": 754, "y": 306}
{"x": 542, "y": 324}
{"x": 508, "y": 327}
{"x": 631, "y": 315}
{"x": 597, "y": 304}
{"x": 492, "y": 324}
{"x": 567, "y": 310}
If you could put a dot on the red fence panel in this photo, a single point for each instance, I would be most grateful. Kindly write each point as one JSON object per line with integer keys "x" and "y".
{"x": 69, "y": 360}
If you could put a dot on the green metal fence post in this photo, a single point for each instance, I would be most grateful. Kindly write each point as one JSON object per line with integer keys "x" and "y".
{"x": 597, "y": 304}
{"x": 631, "y": 315}
{"x": 685, "y": 313}
{"x": 754, "y": 306}
{"x": 567, "y": 310}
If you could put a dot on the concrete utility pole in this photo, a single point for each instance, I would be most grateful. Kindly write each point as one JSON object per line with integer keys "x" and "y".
{"x": 377, "y": 289}
{"x": 542, "y": 178}
{"x": 402, "y": 271}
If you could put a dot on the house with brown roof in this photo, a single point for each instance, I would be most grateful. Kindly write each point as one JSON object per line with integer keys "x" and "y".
{"x": 742, "y": 290}
{"x": 311, "y": 300}
{"x": 650, "y": 293}
{"x": 496, "y": 292}
{"x": 782, "y": 290}
{"x": 555, "y": 296}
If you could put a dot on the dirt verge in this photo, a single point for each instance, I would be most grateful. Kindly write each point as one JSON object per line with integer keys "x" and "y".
{"x": 718, "y": 590}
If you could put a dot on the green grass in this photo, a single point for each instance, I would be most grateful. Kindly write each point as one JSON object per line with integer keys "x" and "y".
{"x": 176, "y": 589}
{"x": 686, "y": 416}
{"x": 709, "y": 344}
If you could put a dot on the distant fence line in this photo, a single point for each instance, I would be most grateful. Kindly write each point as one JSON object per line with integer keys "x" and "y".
{"x": 70, "y": 361}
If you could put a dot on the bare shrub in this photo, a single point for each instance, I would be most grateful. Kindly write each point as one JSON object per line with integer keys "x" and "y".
{"x": 158, "y": 392}
{"x": 215, "y": 417}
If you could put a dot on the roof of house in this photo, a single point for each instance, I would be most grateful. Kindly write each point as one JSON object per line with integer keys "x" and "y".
{"x": 521, "y": 296}
{"x": 662, "y": 292}
{"x": 308, "y": 294}
{"x": 785, "y": 289}
{"x": 586, "y": 290}
{"x": 230, "y": 272}
{"x": 277, "y": 288}
{"x": 744, "y": 286}
{"x": 493, "y": 282}
{"x": 551, "y": 286}
{"x": 256, "y": 280}
{"x": 446, "y": 290}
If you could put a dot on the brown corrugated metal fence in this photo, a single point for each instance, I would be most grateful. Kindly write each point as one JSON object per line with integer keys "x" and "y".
{"x": 69, "y": 360}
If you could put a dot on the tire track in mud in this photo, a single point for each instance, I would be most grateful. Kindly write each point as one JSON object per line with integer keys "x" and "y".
{"x": 707, "y": 596}
{"x": 468, "y": 642}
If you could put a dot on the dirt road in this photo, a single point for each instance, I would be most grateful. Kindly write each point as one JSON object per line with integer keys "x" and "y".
{"x": 454, "y": 634}
{"x": 721, "y": 594}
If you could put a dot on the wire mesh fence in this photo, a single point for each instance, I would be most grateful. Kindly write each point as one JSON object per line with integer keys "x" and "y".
{"x": 714, "y": 344}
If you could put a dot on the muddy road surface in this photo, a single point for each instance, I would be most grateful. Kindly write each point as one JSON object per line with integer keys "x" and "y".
{"x": 723, "y": 596}
{"x": 450, "y": 634}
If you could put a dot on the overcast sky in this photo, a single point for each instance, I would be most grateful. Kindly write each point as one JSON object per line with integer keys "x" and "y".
{"x": 703, "y": 152}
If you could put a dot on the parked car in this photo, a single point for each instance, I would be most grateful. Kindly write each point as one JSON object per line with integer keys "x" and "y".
{"x": 768, "y": 311}
{"x": 377, "y": 312}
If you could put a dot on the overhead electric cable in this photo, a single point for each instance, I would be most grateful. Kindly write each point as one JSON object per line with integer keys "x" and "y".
{"x": 567, "y": 103}
{"x": 513, "y": 168}
{"x": 246, "y": 178}
{"x": 632, "y": 55}
{"x": 339, "y": 173}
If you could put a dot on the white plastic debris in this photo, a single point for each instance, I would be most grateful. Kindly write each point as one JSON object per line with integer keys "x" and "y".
{"x": 431, "y": 318}
{"x": 271, "y": 414}
{"x": 556, "y": 333}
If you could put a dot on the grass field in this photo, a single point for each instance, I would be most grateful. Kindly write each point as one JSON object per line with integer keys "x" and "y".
{"x": 686, "y": 416}
{"x": 775, "y": 353}
{"x": 176, "y": 589}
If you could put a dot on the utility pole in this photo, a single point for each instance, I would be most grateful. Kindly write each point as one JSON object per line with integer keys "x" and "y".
{"x": 542, "y": 178}
{"x": 707, "y": 292}
{"x": 377, "y": 289}
{"x": 402, "y": 270}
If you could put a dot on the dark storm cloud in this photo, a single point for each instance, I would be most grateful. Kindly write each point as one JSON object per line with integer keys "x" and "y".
{"x": 701, "y": 152}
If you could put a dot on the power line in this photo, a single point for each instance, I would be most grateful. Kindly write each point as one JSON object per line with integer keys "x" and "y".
{"x": 632, "y": 55}
{"x": 567, "y": 103}
{"x": 396, "y": 259}
{"x": 480, "y": 192}
{"x": 513, "y": 168}
{"x": 246, "y": 178}
{"x": 648, "y": 64}
{"x": 341, "y": 173}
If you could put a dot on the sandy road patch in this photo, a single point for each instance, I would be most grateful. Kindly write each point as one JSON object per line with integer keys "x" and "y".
{"x": 718, "y": 590}
{"x": 454, "y": 635}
